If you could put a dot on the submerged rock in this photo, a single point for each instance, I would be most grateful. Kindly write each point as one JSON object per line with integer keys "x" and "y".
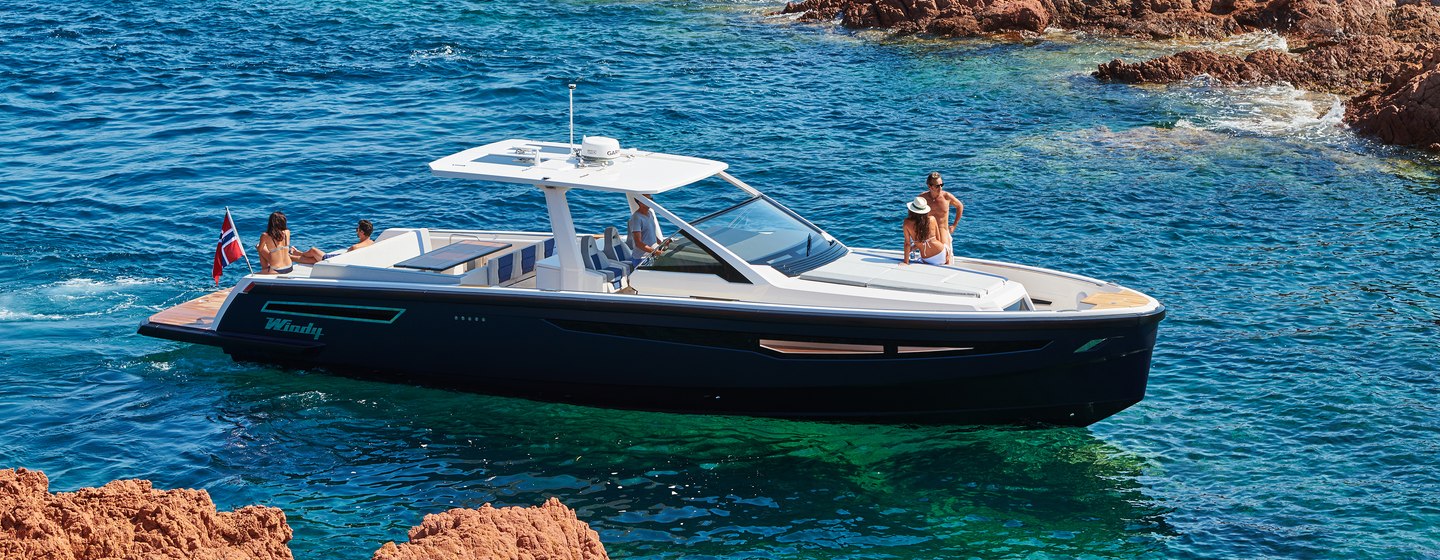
{"x": 550, "y": 531}
{"x": 130, "y": 519}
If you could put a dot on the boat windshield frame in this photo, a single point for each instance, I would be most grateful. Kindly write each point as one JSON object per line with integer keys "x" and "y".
{"x": 774, "y": 221}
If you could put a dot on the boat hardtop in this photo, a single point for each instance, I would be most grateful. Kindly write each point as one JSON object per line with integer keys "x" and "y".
{"x": 559, "y": 165}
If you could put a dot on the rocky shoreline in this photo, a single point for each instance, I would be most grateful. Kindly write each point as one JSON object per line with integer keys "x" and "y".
{"x": 131, "y": 519}
{"x": 1382, "y": 55}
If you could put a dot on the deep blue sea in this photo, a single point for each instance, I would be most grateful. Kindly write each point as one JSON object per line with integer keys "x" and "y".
{"x": 1293, "y": 408}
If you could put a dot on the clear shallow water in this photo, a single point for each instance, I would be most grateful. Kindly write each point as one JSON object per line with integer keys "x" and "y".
{"x": 1292, "y": 407}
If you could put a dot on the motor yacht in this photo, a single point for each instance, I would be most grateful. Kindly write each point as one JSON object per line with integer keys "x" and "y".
{"x": 747, "y": 310}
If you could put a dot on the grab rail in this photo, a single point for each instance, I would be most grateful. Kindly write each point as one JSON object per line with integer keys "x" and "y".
{"x": 450, "y": 240}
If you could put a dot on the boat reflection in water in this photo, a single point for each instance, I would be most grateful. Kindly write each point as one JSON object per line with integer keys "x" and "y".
{"x": 731, "y": 487}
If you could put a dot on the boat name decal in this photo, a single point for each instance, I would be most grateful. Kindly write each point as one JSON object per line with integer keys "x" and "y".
{"x": 286, "y": 325}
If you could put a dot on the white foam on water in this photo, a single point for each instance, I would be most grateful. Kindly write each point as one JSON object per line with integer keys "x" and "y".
{"x": 1241, "y": 45}
{"x": 1278, "y": 110}
{"x": 443, "y": 52}
{"x": 74, "y": 298}
{"x": 795, "y": 16}
{"x": 9, "y": 316}
{"x": 103, "y": 285}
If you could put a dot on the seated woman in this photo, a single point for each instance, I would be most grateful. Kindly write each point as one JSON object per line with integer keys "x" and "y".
{"x": 314, "y": 255}
{"x": 274, "y": 246}
{"x": 922, "y": 234}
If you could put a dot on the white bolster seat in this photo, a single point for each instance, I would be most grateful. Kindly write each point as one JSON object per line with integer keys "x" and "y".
{"x": 374, "y": 263}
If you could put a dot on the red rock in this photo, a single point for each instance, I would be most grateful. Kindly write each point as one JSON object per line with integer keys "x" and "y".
{"x": 816, "y": 10}
{"x": 1014, "y": 15}
{"x": 1407, "y": 112}
{"x": 1303, "y": 21}
{"x": 889, "y": 13}
{"x": 1414, "y": 23}
{"x": 130, "y": 519}
{"x": 923, "y": 10}
{"x": 1344, "y": 68}
{"x": 1223, "y": 68}
{"x": 550, "y": 531}
{"x": 955, "y": 26}
{"x": 1323, "y": 18}
{"x": 1359, "y": 64}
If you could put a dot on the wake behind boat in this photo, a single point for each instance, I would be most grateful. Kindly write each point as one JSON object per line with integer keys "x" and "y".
{"x": 751, "y": 310}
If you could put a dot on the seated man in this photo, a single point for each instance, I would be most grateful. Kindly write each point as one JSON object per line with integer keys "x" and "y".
{"x": 314, "y": 255}
{"x": 644, "y": 233}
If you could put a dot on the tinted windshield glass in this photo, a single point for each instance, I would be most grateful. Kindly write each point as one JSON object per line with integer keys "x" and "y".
{"x": 762, "y": 233}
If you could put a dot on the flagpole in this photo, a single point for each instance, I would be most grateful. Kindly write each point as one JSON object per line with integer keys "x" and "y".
{"x": 243, "y": 252}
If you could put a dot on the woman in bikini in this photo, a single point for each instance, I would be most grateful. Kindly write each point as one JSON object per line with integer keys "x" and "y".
{"x": 922, "y": 234}
{"x": 274, "y": 246}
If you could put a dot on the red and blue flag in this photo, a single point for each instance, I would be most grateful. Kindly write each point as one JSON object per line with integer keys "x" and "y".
{"x": 229, "y": 249}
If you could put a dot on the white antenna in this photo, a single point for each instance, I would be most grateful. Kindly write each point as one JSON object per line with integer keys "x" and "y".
{"x": 572, "y": 120}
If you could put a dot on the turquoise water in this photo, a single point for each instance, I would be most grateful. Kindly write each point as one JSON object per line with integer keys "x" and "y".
{"x": 1292, "y": 411}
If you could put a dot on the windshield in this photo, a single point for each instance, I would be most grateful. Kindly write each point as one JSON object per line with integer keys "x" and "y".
{"x": 761, "y": 232}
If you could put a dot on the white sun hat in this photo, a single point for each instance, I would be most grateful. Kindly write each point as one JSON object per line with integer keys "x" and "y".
{"x": 919, "y": 206}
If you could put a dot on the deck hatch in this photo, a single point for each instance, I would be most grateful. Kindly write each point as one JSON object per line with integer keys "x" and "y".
{"x": 344, "y": 312}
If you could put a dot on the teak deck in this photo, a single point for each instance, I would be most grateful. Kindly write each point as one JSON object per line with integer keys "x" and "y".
{"x": 198, "y": 313}
{"x": 1116, "y": 300}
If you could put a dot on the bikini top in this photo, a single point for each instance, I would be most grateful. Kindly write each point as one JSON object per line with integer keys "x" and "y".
{"x": 278, "y": 248}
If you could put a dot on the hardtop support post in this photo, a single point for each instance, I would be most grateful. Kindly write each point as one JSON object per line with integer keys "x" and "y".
{"x": 566, "y": 244}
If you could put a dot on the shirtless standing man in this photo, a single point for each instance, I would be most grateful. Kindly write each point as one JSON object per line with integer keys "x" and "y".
{"x": 940, "y": 202}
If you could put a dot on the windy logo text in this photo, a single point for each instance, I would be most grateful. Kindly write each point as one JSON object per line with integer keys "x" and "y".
{"x": 285, "y": 325}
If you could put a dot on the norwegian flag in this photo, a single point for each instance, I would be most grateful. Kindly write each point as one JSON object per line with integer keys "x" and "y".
{"x": 229, "y": 249}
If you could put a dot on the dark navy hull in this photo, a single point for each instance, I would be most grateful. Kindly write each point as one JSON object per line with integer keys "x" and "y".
{"x": 629, "y": 353}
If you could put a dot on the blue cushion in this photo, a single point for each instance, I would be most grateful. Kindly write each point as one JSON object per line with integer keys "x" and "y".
{"x": 595, "y": 262}
{"x": 550, "y": 247}
{"x": 506, "y": 266}
{"x": 527, "y": 259}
